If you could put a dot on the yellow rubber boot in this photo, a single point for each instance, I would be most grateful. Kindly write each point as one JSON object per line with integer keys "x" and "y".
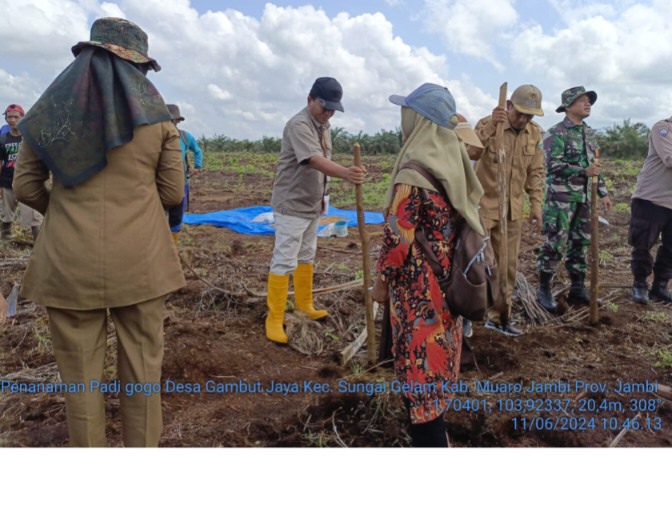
{"x": 303, "y": 286}
{"x": 278, "y": 286}
{"x": 176, "y": 235}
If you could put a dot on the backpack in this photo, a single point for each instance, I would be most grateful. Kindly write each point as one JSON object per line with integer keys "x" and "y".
{"x": 471, "y": 287}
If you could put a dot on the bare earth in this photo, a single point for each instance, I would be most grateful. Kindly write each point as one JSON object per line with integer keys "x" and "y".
{"x": 214, "y": 335}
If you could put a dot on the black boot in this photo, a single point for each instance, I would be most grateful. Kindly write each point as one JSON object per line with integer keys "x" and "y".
{"x": 640, "y": 292}
{"x": 6, "y": 230}
{"x": 34, "y": 230}
{"x": 544, "y": 294}
{"x": 659, "y": 291}
{"x": 578, "y": 295}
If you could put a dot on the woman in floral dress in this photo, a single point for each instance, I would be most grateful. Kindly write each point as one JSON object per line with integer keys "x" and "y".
{"x": 427, "y": 339}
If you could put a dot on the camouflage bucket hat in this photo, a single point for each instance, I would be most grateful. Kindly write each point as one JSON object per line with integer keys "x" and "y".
{"x": 174, "y": 111}
{"x": 570, "y": 95}
{"x": 121, "y": 37}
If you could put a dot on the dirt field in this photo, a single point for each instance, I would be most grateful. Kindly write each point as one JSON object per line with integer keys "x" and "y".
{"x": 214, "y": 335}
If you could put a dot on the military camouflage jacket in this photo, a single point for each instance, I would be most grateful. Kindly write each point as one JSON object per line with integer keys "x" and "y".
{"x": 569, "y": 150}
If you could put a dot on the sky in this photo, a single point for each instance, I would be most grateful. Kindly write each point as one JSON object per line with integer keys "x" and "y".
{"x": 243, "y": 68}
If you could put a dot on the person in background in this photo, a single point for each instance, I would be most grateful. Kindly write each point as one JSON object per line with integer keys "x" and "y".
{"x": 651, "y": 218}
{"x": 105, "y": 243}
{"x": 9, "y": 150}
{"x": 570, "y": 148}
{"x": 187, "y": 143}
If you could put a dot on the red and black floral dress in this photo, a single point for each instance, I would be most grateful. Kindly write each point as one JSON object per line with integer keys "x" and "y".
{"x": 427, "y": 340}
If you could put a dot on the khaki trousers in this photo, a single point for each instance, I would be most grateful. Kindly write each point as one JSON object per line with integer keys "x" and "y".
{"x": 514, "y": 229}
{"x": 79, "y": 338}
{"x": 8, "y": 205}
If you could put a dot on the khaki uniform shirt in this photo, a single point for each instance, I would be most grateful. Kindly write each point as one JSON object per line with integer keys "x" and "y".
{"x": 525, "y": 168}
{"x": 106, "y": 243}
{"x": 654, "y": 182}
{"x": 298, "y": 189}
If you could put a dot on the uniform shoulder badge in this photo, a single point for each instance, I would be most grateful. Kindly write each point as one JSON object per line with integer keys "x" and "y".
{"x": 664, "y": 132}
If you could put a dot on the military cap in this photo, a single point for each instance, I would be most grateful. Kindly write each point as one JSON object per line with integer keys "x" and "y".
{"x": 527, "y": 100}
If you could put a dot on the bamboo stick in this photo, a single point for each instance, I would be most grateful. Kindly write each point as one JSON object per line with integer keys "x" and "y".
{"x": 366, "y": 263}
{"x": 502, "y": 258}
{"x": 594, "y": 248}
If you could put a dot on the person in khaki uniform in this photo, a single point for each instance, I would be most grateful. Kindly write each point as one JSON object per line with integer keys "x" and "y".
{"x": 524, "y": 170}
{"x": 105, "y": 244}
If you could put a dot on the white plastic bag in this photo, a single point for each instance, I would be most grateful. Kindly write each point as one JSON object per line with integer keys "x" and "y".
{"x": 327, "y": 231}
{"x": 264, "y": 218}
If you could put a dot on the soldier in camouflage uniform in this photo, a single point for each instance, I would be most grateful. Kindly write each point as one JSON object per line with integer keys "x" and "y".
{"x": 570, "y": 163}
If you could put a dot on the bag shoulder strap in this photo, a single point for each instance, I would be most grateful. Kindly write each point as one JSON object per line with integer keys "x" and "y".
{"x": 185, "y": 141}
{"x": 420, "y": 236}
{"x": 414, "y": 165}
{"x": 183, "y": 137}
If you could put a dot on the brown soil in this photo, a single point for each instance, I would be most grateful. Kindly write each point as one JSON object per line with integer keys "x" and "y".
{"x": 214, "y": 332}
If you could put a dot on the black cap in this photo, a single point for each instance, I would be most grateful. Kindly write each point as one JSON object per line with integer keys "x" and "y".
{"x": 329, "y": 91}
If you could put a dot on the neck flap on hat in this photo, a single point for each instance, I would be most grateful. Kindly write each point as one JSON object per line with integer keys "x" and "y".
{"x": 439, "y": 150}
{"x": 93, "y": 106}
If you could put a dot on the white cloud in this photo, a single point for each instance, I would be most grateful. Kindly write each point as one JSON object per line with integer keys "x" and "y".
{"x": 244, "y": 76}
{"x": 247, "y": 76}
{"x": 471, "y": 27}
{"x": 16, "y": 88}
{"x": 626, "y": 58}
{"x": 218, "y": 93}
{"x": 42, "y": 31}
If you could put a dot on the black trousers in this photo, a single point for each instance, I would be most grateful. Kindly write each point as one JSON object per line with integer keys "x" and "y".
{"x": 648, "y": 222}
{"x": 428, "y": 435}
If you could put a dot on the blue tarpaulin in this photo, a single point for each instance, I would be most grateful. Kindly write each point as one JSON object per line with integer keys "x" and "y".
{"x": 240, "y": 219}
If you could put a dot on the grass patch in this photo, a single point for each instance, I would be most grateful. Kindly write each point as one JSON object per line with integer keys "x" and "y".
{"x": 373, "y": 194}
{"x": 612, "y": 307}
{"x": 605, "y": 256}
{"x": 664, "y": 359}
{"x": 655, "y": 317}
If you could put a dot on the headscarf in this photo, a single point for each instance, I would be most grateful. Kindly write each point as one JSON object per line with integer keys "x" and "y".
{"x": 441, "y": 152}
{"x": 93, "y": 106}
